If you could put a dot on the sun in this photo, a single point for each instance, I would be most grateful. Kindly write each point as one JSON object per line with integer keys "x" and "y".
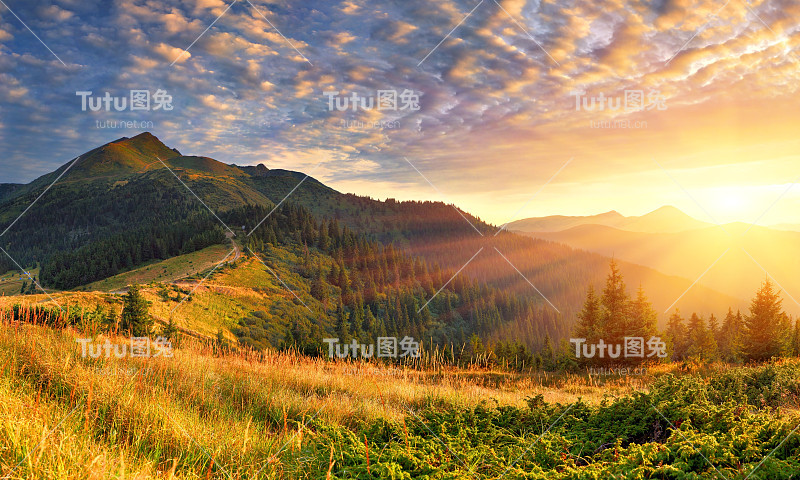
{"x": 729, "y": 202}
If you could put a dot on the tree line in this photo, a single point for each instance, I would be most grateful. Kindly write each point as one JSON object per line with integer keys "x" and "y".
{"x": 765, "y": 331}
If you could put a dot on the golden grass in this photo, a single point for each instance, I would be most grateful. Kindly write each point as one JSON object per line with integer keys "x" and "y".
{"x": 135, "y": 417}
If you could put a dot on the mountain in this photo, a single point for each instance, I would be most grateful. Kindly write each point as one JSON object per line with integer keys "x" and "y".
{"x": 439, "y": 234}
{"x": 119, "y": 207}
{"x": 689, "y": 253}
{"x": 8, "y": 190}
{"x": 666, "y": 219}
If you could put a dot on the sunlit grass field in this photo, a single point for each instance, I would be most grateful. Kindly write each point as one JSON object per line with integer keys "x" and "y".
{"x": 201, "y": 414}
{"x": 210, "y": 413}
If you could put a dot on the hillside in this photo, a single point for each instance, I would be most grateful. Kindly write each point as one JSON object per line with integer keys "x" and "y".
{"x": 438, "y": 233}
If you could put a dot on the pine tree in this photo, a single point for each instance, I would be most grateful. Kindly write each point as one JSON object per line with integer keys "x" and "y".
{"x": 730, "y": 337}
{"x": 342, "y": 324}
{"x": 763, "y": 326}
{"x": 170, "y": 331}
{"x": 318, "y": 285}
{"x": 713, "y": 327}
{"x": 589, "y": 318}
{"x": 643, "y": 318}
{"x": 615, "y": 303}
{"x": 702, "y": 345}
{"x": 135, "y": 320}
{"x": 796, "y": 340}
{"x": 219, "y": 342}
{"x": 548, "y": 354}
{"x": 676, "y": 336}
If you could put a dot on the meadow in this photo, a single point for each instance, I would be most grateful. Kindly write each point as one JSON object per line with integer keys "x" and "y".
{"x": 209, "y": 412}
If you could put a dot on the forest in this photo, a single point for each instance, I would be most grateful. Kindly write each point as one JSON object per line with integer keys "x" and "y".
{"x": 370, "y": 290}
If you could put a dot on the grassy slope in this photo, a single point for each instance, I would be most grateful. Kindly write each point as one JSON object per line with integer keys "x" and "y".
{"x": 226, "y": 295}
{"x": 165, "y": 271}
{"x": 11, "y": 282}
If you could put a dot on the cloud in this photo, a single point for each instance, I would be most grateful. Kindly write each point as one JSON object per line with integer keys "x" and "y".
{"x": 56, "y": 13}
{"x": 170, "y": 53}
{"x": 494, "y": 105}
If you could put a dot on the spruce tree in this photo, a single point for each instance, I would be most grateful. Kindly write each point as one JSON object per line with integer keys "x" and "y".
{"x": 796, "y": 338}
{"x": 763, "y": 327}
{"x": 676, "y": 336}
{"x": 170, "y": 331}
{"x": 615, "y": 303}
{"x": 730, "y": 337}
{"x": 589, "y": 318}
{"x": 342, "y": 324}
{"x": 135, "y": 320}
{"x": 643, "y": 318}
{"x": 701, "y": 343}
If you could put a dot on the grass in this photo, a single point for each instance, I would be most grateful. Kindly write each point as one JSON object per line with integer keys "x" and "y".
{"x": 169, "y": 270}
{"x": 203, "y": 414}
{"x": 135, "y": 417}
{"x": 11, "y": 282}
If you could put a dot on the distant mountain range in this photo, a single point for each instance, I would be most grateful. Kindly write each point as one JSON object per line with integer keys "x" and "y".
{"x": 122, "y": 192}
{"x": 666, "y": 219}
{"x": 684, "y": 247}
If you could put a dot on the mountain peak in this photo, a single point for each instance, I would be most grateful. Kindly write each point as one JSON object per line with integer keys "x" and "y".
{"x": 123, "y": 156}
{"x": 259, "y": 170}
{"x": 143, "y": 142}
{"x": 610, "y": 214}
{"x": 667, "y": 209}
{"x": 666, "y": 219}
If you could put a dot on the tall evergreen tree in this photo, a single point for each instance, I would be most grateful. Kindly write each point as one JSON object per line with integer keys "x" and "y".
{"x": 730, "y": 337}
{"x": 589, "y": 318}
{"x": 796, "y": 338}
{"x": 701, "y": 343}
{"x": 615, "y": 303}
{"x": 342, "y": 324}
{"x": 764, "y": 326}
{"x": 643, "y": 318}
{"x": 676, "y": 336}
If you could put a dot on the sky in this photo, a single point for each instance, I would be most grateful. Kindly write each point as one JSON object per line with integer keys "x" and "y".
{"x": 498, "y": 102}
